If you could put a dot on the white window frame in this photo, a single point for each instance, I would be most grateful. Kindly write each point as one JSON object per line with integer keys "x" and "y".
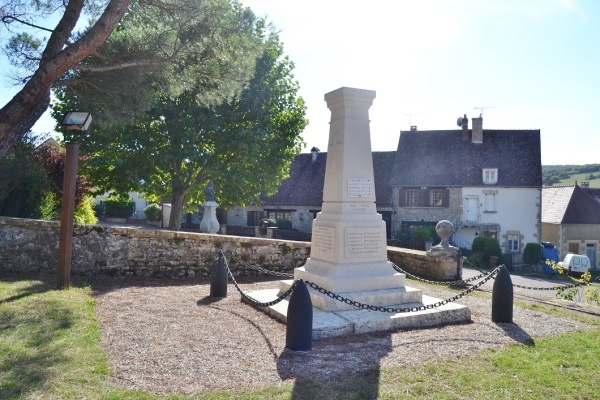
{"x": 412, "y": 194}
{"x": 490, "y": 175}
{"x": 489, "y": 200}
{"x": 513, "y": 243}
{"x": 436, "y": 198}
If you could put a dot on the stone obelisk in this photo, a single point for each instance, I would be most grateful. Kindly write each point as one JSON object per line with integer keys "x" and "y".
{"x": 349, "y": 247}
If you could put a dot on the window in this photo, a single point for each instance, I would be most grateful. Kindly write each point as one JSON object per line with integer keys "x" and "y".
{"x": 253, "y": 218}
{"x": 489, "y": 201}
{"x": 513, "y": 243}
{"x": 412, "y": 197}
{"x": 278, "y": 214}
{"x": 435, "y": 197}
{"x": 574, "y": 248}
{"x": 490, "y": 176}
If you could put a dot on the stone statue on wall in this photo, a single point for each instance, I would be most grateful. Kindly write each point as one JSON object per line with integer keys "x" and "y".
{"x": 209, "y": 191}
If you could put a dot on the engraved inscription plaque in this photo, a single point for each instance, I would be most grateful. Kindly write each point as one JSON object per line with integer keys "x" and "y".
{"x": 323, "y": 242}
{"x": 359, "y": 187}
{"x": 363, "y": 243}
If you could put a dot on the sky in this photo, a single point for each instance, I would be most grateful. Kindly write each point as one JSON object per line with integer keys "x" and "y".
{"x": 522, "y": 64}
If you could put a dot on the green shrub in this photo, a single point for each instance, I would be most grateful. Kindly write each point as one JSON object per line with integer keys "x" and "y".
{"x": 423, "y": 233}
{"x": 484, "y": 247}
{"x": 532, "y": 254}
{"x": 153, "y": 212}
{"x": 267, "y": 223}
{"x": 118, "y": 207}
{"x": 84, "y": 213}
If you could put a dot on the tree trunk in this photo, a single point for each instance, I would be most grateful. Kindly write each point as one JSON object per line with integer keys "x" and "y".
{"x": 177, "y": 203}
{"x": 24, "y": 109}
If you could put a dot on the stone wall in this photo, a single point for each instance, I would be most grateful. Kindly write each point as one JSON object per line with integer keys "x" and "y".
{"x": 416, "y": 262}
{"x": 32, "y": 246}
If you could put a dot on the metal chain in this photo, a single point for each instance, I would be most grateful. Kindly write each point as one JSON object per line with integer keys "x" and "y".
{"x": 256, "y": 302}
{"x": 392, "y": 310}
{"x": 559, "y": 287}
{"x": 445, "y": 283}
{"x": 260, "y": 269}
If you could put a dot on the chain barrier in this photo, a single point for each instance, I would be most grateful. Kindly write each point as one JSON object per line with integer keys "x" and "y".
{"x": 260, "y": 269}
{"x": 398, "y": 310}
{"x": 484, "y": 276}
{"x": 558, "y": 287}
{"x": 445, "y": 283}
{"x": 254, "y": 301}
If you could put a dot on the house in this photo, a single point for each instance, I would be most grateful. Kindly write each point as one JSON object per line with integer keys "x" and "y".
{"x": 571, "y": 221}
{"x": 486, "y": 182}
{"x": 300, "y": 196}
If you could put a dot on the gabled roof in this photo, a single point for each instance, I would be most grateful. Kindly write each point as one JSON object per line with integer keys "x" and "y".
{"x": 304, "y": 187}
{"x": 443, "y": 158}
{"x": 569, "y": 205}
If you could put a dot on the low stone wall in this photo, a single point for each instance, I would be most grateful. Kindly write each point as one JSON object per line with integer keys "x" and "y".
{"x": 416, "y": 262}
{"x": 32, "y": 246}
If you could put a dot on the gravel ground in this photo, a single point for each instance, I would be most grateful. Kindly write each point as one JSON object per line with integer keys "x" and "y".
{"x": 169, "y": 336}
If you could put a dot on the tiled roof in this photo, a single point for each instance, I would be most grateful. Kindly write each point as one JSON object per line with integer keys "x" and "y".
{"x": 304, "y": 187}
{"x": 569, "y": 205}
{"x": 443, "y": 158}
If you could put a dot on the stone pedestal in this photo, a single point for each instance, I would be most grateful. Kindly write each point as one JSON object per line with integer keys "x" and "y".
{"x": 209, "y": 223}
{"x": 348, "y": 249}
{"x": 446, "y": 255}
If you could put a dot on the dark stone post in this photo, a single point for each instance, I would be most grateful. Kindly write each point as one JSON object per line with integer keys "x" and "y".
{"x": 298, "y": 336}
{"x": 218, "y": 276}
{"x": 502, "y": 297}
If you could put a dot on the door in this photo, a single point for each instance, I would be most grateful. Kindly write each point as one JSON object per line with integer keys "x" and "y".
{"x": 471, "y": 211}
{"x": 591, "y": 253}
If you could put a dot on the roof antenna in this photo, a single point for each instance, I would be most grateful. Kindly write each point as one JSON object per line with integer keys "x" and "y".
{"x": 481, "y": 110}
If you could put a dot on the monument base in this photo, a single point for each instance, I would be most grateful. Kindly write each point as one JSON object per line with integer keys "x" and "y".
{"x": 333, "y": 318}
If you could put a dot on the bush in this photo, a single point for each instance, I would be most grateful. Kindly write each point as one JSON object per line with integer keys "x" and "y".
{"x": 532, "y": 254}
{"x": 118, "y": 207}
{"x": 152, "y": 212}
{"x": 424, "y": 233}
{"x": 84, "y": 213}
{"x": 484, "y": 247}
{"x": 267, "y": 223}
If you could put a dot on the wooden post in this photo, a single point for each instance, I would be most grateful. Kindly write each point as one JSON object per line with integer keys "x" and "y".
{"x": 65, "y": 247}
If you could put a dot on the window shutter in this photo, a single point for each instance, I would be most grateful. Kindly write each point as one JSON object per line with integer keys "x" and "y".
{"x": 445, "y": 198}
{"x": 423, "y": 199}
{"x": 402, "y": 198}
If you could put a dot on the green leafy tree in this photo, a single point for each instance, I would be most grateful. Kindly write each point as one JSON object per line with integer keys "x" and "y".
{"x": 31, "y": 180}
{"x": 484, "y": 247}
{"x": 182, "y": 45}
{"x": 245, "y": 146}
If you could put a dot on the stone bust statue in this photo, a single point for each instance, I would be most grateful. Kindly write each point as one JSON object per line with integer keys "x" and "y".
{"x": 209, "y": 192}
{"x": 444, "y": 229}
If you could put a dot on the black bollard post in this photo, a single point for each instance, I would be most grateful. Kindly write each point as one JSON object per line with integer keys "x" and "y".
{"x": 298, "y": 336}
{"x": 218, "y": 276}
{"x": 502, "y": 297}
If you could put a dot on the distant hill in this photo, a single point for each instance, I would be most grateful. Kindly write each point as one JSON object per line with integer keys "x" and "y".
{"x": 569, "y": 174}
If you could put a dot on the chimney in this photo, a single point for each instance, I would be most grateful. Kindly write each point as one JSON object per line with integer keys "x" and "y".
{"x": 477, "y": 134}
{"x": 413, "y": 128}
{"x": 465, "y": 128}
{"x": 315, "y": 153}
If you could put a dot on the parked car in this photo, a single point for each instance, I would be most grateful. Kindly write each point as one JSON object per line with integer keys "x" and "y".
{"x": 575, "y": 264}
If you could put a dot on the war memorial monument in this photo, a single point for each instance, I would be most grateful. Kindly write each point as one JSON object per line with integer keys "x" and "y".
{"x": 349, "y": 248}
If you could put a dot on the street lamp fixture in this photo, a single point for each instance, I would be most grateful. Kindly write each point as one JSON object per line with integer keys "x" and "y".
{"x": 80, "y": 122}
{"x": 77, "y": 121}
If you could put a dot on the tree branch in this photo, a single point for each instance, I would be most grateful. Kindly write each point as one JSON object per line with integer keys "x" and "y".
{"x": 6, "y": 18}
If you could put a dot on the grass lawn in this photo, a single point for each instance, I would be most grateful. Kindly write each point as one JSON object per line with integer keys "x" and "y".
{"x": 49, "y": 349}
